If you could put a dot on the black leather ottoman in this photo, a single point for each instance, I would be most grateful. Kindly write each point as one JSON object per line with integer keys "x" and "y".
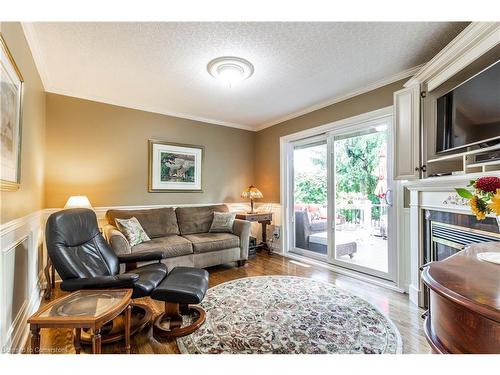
{"x": 184, "y": 286}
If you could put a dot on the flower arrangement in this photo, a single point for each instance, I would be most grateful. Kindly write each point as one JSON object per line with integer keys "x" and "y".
{"x": 485, "y": 198}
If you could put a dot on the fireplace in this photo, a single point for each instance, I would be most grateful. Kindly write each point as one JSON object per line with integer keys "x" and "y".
{"x": 447, "y": 233}
{"x": 440, "y": 224}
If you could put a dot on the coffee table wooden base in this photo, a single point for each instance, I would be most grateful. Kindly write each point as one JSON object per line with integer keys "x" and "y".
{"x": 84, "y": 310}
{"x": 141, "y": 315}
{"x": 174, "y": 317}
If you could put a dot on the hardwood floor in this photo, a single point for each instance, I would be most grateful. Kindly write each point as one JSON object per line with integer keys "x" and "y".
{"x": 406, "y": 316}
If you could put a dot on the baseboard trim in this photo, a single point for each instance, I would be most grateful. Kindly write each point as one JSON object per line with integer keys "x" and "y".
{"x": 415, "y": 294}
{"x": 342, "y": 271}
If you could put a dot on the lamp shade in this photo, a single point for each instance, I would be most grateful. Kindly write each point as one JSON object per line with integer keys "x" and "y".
{"x": 251, "y": 192}
{"x": 78, "y": 201}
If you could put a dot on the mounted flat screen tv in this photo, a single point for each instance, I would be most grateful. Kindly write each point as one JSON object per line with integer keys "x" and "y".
{"x": 470, "y": 113}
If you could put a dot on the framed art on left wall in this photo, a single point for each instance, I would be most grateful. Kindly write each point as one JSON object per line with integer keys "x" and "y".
{"x": 174, "y": 167}
{"x": 11, "y": 96}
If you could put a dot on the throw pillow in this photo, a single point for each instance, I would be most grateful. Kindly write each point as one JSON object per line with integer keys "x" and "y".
{"x": 315, "y": 215}
{"x": 132, "y": 230}
{"x": 222, "y": 222}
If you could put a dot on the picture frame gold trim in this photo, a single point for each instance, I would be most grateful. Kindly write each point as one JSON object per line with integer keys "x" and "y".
{"x": 6, "y": 185}
{"x": 152, "y": 142}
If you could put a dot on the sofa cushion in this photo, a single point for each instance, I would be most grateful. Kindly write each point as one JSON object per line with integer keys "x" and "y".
{"x": 172, "y": 245}
{"x": 206, "y": 242}
{"x": 157, "y": 222}
{"x": 197, "y": 219}
{"x": 318, "y": 225}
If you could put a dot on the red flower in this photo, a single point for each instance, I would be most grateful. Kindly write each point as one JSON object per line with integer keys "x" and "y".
{"x": 488, "y": 184}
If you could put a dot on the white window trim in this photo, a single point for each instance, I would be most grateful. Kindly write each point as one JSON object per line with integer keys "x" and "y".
{"x": 285, "y": 172}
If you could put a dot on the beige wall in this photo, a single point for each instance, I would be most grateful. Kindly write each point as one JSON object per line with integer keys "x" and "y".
{"x": 267, "y": 142}
{"x": 100, "y": 150}
{"x": 29, "y": 197}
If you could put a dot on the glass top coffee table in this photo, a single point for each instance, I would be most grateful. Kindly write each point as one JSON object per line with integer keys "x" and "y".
{"x": 89, "y": 309}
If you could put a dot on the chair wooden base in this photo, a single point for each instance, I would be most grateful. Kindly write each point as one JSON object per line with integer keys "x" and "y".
{"x": 172, "y": 316}
{"x": 141, "y": 315}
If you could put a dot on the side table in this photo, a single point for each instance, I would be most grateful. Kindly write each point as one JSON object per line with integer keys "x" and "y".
{"x": 88, "y": 309}
{"x": 264, "y": 218}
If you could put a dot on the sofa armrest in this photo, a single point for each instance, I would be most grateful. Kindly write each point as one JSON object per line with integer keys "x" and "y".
{"x": 241, "y": 228}
{"x": 116, "y": 239}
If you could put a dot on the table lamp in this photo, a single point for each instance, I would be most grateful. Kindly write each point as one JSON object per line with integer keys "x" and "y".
{"x": 253, "y": 193}
{"x": 78, "y": 201}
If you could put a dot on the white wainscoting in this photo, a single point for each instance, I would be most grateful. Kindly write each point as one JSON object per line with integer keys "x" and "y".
{"x": 21, "y": 265}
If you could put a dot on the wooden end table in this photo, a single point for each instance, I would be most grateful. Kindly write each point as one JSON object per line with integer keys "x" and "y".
{"x": 264, "y": 218}
{"x": 89, "y": 309}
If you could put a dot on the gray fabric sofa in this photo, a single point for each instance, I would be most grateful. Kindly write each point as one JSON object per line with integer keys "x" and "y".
{"x": 182, "y": 233}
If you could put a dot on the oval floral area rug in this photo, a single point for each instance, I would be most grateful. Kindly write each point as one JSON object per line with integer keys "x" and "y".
{"x": 287, "y": 314}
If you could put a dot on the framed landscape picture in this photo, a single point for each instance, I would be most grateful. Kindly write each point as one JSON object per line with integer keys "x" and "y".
{"x": 11, "y": 94}
{"x": 174, "y": 167}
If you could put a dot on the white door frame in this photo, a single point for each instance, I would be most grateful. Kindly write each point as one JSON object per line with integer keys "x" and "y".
{"x": 286, "y": 171}
{"x": 391, "y": 273}
{"x": 291, "y": 230}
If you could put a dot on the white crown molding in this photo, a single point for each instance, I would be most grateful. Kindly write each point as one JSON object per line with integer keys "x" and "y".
{"x": 32, "y": 39}
{"x": 373, "y": 86}
{"x": 475, "y": 40}
{"x": 34, "y": 45}
{"x": 386, "y": 81}
{"x": 148, "y": 108}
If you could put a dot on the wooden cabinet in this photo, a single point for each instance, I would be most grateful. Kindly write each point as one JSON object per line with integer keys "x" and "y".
{"x": 464, "y": 309}
{"x": 407, "y": 133}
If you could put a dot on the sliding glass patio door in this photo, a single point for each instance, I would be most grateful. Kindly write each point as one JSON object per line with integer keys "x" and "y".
{"x": 361, "y": 199}
{"x": 340, "y": 198}
{"x": 309, "y": 197}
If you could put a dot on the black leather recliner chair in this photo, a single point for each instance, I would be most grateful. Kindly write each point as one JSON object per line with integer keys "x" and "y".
{"x": 84, "y": 260}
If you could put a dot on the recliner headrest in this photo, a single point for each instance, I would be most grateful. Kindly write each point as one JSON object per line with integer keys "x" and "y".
{"x": 72, "y": 227}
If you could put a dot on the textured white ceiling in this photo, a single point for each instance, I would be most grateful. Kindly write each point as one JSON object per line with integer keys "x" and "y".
{"x": 161, "y": 67}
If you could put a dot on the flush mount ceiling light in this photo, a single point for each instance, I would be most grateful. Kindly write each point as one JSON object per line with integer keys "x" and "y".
{"x": 230, "y": 69}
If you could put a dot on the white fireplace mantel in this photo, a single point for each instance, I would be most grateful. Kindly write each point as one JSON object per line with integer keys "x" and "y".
{"x": 438, "y": 194}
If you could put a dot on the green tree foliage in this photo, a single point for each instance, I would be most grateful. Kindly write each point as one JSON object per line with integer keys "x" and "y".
{"x": 356, "y": 159}
{"x": 310, "y": 188}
